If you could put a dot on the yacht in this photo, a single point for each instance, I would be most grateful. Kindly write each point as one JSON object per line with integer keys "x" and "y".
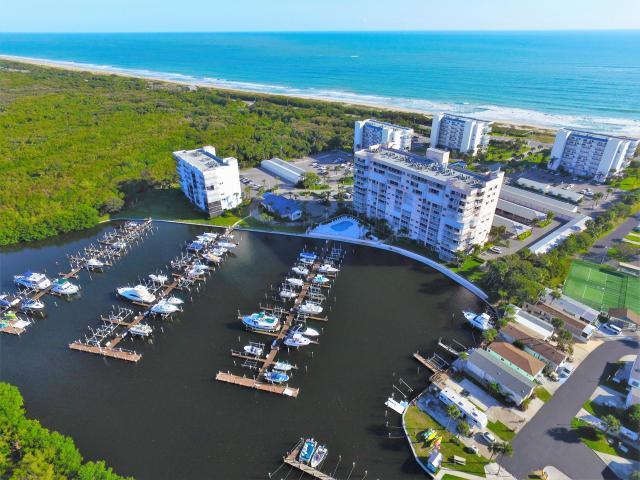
{"x": 302, "y": 329}
{"x": 296, "y": 282}
{"x": 282, "y": 366}
{"x": 261, "y": 321}
{"x": 164, "y": 308}
{"x": 319, "y": 456}
{"x": 161, "y": 279}
{"x": 328, "y": 268}
{"x": 310, "y": 308}
{"x": 94, "y": 264}
{"x": 320, "y": 280}
{"x": 226, "y": 244}
{"x": 174, "y": 301}
{"x": 119, "y": 245}
{"x": 274, "y": 376}
{"x": 253, "y": 350}
{"x": 37, "y": 281}
{"x": 219, "y": 251}
{"x": 206, "y": 239}
{"x": 141, "y": 330}
{"x": 296, "y": 340}
{"x": 139, "y": 293}
{"x": 211, "y": 257}
{"x": 31, "y": 305}
{"x": 63, "y": 286}
{"x": 481, "y": 321}
{"x": 300, "y": 270}
{"x": 197, "y": 270}
{"x": 287, "y": 294}
{"x": 210, "y": 236}
{"x": 195, "y": 246}
{"x": 8, "y": 301}
{"x": 306, "y": 452}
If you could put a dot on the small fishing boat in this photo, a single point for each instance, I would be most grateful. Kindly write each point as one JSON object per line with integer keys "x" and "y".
{"x": 253, "y": 350}
{"x": 282, "y": 366}
{"x": 296, "y": 282}
{"x": 94, "y": 264}
{"x": 206, "y": 239}
{"x": 219, "y": 251}
{"x": 174, "y": 301}
{"x": 8, "y": 301}
{"x": 31, "y": 305}
{"x": 161, "y": 279}
{"x": 328, "y": 268}
{"x": 274, "y": 376}
{"x": 261, "y": 321}
{"x": 310, "y": 308}
{"x": 62, "y": 286}
{"x": 37, "y": 281}
{"x": 300, "y": 270}
{"x": 226, "y": 244}
{"x": 287, "y": 294}
{"x": 320, "y": 280}
{"x": 209, "y": 235}
{"x": 197, "y": 270}
{"x": 296, "y": 340}
{"x": 481, "y": 321}
{"x": 306, "y": 452}
{"x": 195, "y": 246}
{"x": 319, "y": 456}
{"x": 119, "y": 245}
{"x": 302, "y": 329}
{"x": 141, "y": 330}
{"x": 227, "y": 236}
{"x": 211, "y": 258}
{"x": 164, "y": 308}
{"x": 139, "y": 293}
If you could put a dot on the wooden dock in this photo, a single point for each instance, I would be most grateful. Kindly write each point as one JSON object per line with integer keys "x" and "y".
{"x": 253, "y": 383}
{"x": 292, "y": 459}
{"x": 118, "y": 353}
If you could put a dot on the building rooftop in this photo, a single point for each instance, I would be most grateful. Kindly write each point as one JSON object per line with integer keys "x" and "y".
{"x": 534, "y": 323}
{"x": 373, "y": 121}
{"x": 203, "y": 159}
{"x": 543, "y": 201}
{"x": 635, "y": 370}
{"x": 519, "y": 358}
{"x": 572, "y": 307}
{"x": 288, "y": 165}
{"x": 519, "y": 332}
{"x": 421, "y": 165}
{"x": 504, "y": 374}
{"x": 281, "y": 205}
{"x": 465, "y": 117}
{"x": 599, "y": 135}
{"x": 625, "y": 314}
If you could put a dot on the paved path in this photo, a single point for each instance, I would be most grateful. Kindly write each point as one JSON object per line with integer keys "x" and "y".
{"x": 598, "y": 250}
{"x": 548, "y": 439}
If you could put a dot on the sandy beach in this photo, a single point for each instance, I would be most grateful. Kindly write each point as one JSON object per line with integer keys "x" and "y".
{"x": 513, "y": 117}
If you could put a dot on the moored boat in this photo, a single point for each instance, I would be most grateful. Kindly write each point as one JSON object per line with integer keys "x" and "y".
{"x": 164, "y": 308}
{"x": 306, "y": 452}
{"x": 195, "y": 246}
{"x": 139, "y": 293}
{"x": 296, "y": 340}
{"x": 310, "y": 308}
{"x": 210, "y": 257}
{"x": 226, "y": 244}
{"x": 327, "y": 268}
{"x": 300, "y": 270}
{"x": 319, "y": 456}
{"x": 94, "y": 264}
{"x": 253, "y": 350}
{"x": 161, "y": 279}
{"x": 62, "y": 286}
{"x": 287, "y": 294}
{"x": 481, "y": 321}
{"x": 261, "y": 321}
{"x": 304, "y": 330}
{"x": 35, "y": 280}
{"x": 296, "y": 282}
{"x": 282, "y": 366}
{"x": 31, "y": 305}
{"x": 8, "y": 301}
{"x": 320, "y": 280}
{"x": 274, "y": 376}
{"x": 174, "y": 301}
{"x": 141, "y": 330}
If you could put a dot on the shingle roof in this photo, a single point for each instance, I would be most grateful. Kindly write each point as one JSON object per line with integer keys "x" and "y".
{"x": 507, "y": 376}
{"x": 529, "y": 339}
{"x": 519, "y": 332}
{"x": 520, "y": 358}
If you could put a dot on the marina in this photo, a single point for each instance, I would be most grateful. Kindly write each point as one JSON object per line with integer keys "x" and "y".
{"x": 286, "y": 322}
{"x": 33, "y": 286}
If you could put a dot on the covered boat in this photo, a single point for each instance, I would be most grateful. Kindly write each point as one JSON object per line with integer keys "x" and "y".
{"x": 261, "y": 321}
{"x": 320, "y": 280}
{"x": 306, "y": 452}
{"x": 62, "y": 286}
{"x": 141, "y": 330}
{"x": 195, "y": 246}
{"x": 35, "y": 280}
{"x": 274, "y": 376}
{"x": 253, "y": 350}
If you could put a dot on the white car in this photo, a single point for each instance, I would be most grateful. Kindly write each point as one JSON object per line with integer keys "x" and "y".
{"x": 489, "y": 438}
{"x": 495, "y": 250}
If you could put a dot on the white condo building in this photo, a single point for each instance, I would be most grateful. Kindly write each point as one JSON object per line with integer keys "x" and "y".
{"x": 446, "y": 209}
{"x": 374, "y": 132}
{"x": 456, "y": 132}
{"x": 211, "y": 183}
{"x": 592, "y": 155}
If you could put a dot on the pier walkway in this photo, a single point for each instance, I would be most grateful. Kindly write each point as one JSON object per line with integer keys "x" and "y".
{"x": 291, "y": 459}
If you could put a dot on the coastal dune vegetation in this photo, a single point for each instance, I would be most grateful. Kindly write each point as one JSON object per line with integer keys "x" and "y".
{"x": 76, "y": 147}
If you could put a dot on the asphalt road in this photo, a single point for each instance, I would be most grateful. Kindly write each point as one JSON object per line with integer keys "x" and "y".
{"x": 547, "y": 440}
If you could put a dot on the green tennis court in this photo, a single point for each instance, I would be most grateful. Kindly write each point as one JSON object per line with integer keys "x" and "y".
{"x": 601, "y": 287}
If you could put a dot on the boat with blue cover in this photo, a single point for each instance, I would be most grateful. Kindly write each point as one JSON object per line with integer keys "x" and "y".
{"x": 261, "y": 321}
{"x": 275, "y": 376}
{"x": 306, "y": 452}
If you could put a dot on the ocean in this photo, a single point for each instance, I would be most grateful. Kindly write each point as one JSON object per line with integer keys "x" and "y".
{"x": 552, "y": 79}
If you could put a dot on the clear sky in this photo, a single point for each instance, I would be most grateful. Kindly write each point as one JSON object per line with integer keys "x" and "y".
{"x": 302, "y": 15}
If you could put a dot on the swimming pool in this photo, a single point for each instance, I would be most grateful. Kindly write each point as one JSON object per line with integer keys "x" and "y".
{"x": 342, "y": 226}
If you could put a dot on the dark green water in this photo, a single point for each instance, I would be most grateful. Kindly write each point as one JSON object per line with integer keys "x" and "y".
{"x": 167, "y": 418}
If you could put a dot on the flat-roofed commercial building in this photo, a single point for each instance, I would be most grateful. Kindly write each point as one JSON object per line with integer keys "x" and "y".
{"x": 285, "y": 170}
{"x": 592, "y": 155}
{"x": 211, "y": 183}
{"x": 460, "y": 133}
{"x": 547, "y": 189}
{"x": 370, "y": 132}
{"x": 446, "y": 209}
{"x": 535, "y": 201}
{"x": 518, "y": 212}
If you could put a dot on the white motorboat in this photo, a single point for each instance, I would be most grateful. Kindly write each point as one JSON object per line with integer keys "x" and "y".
{"x": 261, "y": 321}
{"x": 296, "y": 282}
{"x": 287, "y": 294}
{"x": 211, "y": 257}
{"x": 320, "y": 280}
{"x": 8, "y": 301}
{"x": 164, "y": 308}
{"x": 296, "y": 340}
{"x": 197, "y": 270}
{"x": 139, "y": 293}
{"x": 310, "y": 308}
{"x": 219, "y": 251}
{"x": 37, "y": 281}
{"x": 206, "y": 239}
{"x": 302, "y": 329}
{"x": 63, "y": 286}
{"x": 226, "y": 244}
{"x": 282, "y": 366}
{"x": 94, "y": 264}
{"x": 319, "y": 456}
{"x": 161, "y": 279}
{"x": 141, "y": 330}
{"x": 31, "y": 305}
{"x": 328, "y": 268}
{"x": 481, "y": 321}
{"x": 174, "y": 301}
{"x": 210, "y": 236}
{"x": 253, "y": 350}
{"x": 119, "y": 245}
{"x": 300, "y": 270}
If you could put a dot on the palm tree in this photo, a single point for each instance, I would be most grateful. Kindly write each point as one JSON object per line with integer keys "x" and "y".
{"x": 454, "y": 413}
{"x": 609, "y": 191}
{"x": 596, "y": 198}
{"x": 555, "y": 294}
{"x": 611, "y": 423}
{"x": 502, "y": 449}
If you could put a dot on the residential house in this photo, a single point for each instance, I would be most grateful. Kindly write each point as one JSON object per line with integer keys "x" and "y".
{"x": 281, "y": 206}
{"x": 521, "y": 361}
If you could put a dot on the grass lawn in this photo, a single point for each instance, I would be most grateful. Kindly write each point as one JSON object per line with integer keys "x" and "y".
{"x": 634, "y": 237}
{"x": 448, "y": 476}
{"x": 597, "y": 440}
{"x": 543, "y": 394}
{"x": 501, "y": 430}
{"x": 470, "y": 268}
{"x": 417, "y": 422}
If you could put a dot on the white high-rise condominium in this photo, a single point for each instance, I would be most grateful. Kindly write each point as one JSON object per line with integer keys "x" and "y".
{"x": 592, "y": 155}
{"x": 211, "y": 183}
{"x": 456, "y": 132}
{"x": 374, "y": 132}
{"x": 446, "y": 209}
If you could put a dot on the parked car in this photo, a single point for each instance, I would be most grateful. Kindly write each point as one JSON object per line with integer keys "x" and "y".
{"x": 489, "y": 438}
{"x": 495, "y": 250}
{"x": 472, "y": 449}
{"x": 566, "y": 370}
{"x": 616, "y": 330}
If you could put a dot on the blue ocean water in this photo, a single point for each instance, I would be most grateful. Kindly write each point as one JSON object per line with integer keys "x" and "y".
{"x": 586, "y": 79}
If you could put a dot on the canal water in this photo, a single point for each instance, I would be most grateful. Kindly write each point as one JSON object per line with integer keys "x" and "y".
{"x": 166, "y": 417}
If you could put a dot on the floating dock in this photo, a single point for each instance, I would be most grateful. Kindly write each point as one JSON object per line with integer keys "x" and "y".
{"x": 292, "y": 459}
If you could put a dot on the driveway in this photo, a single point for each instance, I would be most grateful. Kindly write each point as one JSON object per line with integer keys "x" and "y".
{"x": 548, "y": 439}
{"x": 598, "y": 250}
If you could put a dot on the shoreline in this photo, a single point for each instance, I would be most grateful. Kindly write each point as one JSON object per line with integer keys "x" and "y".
{"x": 503, "y": 116}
